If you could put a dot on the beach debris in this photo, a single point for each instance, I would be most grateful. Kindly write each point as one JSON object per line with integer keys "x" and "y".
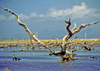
{"x": 16, "y": 58}
{"x": 4, "y": 60}
{"x": 23, "y": 50}
{"x": 14, "y": 50}
{"x": 93, "y": 57}
{"x": 8, "y": 69}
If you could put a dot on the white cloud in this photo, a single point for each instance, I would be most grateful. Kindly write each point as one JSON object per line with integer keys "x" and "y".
{"x": 2, "y": 17}
{"x": 23, "y": 17}
{"x": 78, "y": 11}
{"x": 11, "y": 17}
{"x": 33, "y": 14}
{"x": 41, "y": 15}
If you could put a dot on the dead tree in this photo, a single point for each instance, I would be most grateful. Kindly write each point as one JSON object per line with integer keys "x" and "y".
{"x": 64, "y": 53}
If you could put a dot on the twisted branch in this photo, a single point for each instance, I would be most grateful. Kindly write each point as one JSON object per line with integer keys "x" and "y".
{"x": 83, "y": 26}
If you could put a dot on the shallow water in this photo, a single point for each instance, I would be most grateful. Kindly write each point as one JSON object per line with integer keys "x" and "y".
{"x": 41, "y": 61}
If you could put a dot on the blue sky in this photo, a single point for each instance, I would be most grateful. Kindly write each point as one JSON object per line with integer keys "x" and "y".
{"x": 46, "y": 17}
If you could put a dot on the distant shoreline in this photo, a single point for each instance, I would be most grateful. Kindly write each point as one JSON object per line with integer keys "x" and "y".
{"x": 48, "y": 40}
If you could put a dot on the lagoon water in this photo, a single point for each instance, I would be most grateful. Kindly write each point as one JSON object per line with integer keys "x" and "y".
{"x": 41, "y": 61}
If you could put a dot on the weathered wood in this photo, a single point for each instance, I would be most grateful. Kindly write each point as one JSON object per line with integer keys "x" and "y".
{"x": 16, "y": 58}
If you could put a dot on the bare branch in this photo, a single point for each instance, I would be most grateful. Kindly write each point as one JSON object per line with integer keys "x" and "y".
{"x": 73, "y": 38}
{"x": 67, "y": 26}
{"x": 74, "y": 27}
{"x": 27, "y": 30}
{"x": 83, "y": 26}
{"x": 66, "y": 37}
{"x": 84, "y": 46}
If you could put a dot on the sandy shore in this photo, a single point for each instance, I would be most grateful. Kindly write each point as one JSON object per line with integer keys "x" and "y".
{"x": 48, "y": 40}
